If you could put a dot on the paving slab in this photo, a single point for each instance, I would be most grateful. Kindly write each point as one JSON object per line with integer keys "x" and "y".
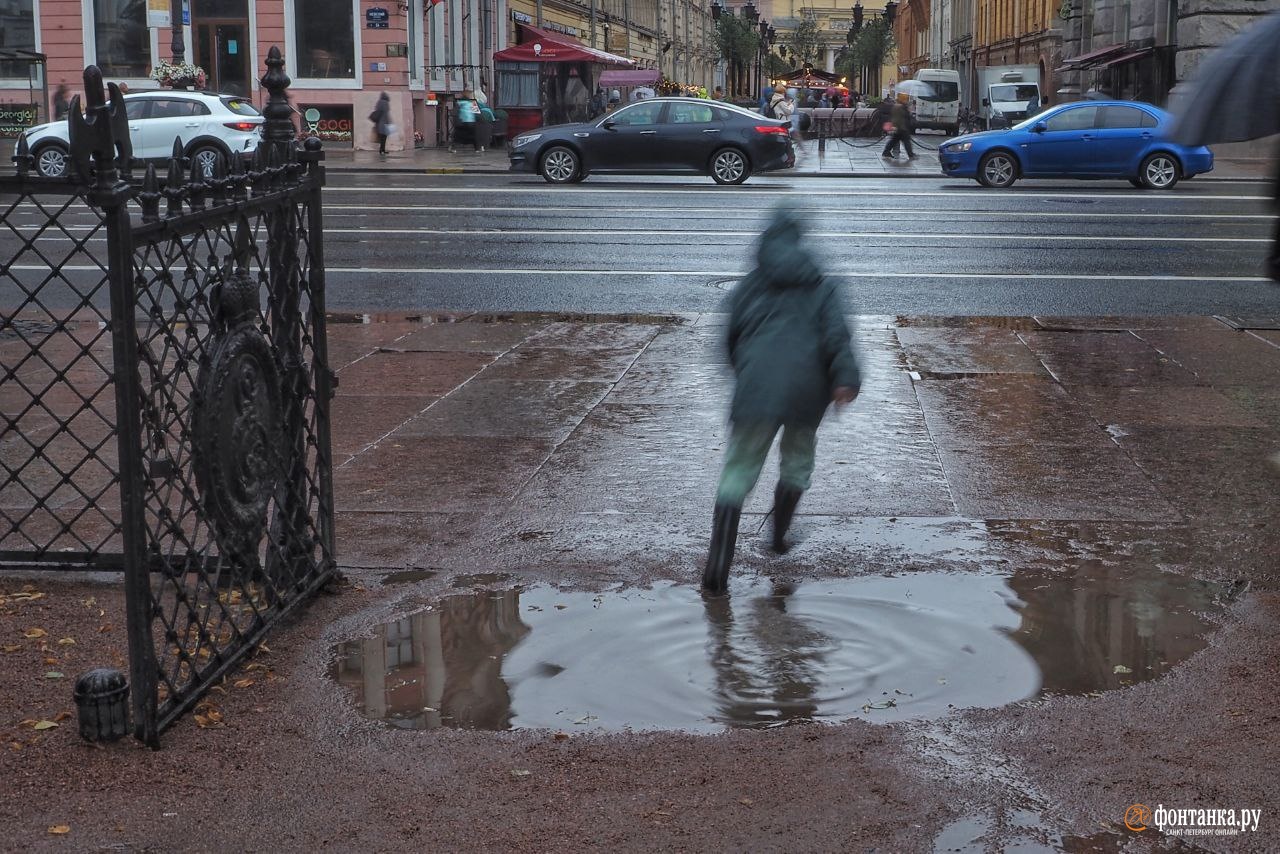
{"x": 1106, "y": 359}
{"x": 967, "y": 351}
{"x": 525, "y": 408}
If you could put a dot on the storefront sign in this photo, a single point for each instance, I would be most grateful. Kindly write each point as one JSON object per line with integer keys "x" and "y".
{"x": 158, "y": 13}
{"x": 521, "y": 17}
{"x": 330, "y": 122}
{"x": 15, "y": 118}
{"x": 377, "y": 18}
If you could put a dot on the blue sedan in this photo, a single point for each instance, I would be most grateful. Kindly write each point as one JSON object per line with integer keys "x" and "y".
{"x": 1090, "y": 139}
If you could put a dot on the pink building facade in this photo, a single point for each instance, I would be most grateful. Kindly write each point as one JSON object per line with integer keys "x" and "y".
{"x": 340, "y": 54}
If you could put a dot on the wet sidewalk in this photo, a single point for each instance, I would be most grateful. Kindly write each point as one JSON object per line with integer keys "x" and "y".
{"x": 1095, "y": 497}
{"x": 605, "y": 437}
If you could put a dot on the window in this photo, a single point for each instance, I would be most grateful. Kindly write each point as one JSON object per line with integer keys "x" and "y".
{"x": 17, "y": 29}
{"x": 135, "y": 108}
{"x": 637, "y": 114}
{"x": 324, "y": 39}
{"x": 1021, "y": 92}
{"x": 240, "y": 107}
{"x": 944, "y": 91}
{"x": 122, "y": 42}
{"x": 176, "y": 108}
{"x": 1148, "y": 120}
{"x": 686, "y": 114}
{"x": 1078, "y": 118}
{"x": 1121, "y": 117}
{"x": 517, "y": 84}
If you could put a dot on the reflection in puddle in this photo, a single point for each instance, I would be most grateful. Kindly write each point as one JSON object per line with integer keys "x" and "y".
{"x": 877, "y": 648}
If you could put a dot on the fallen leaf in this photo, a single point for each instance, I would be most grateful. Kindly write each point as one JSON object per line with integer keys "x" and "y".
{"x": 34, "y": 633}
{"x": 67, "y": 642}
{"x": 50, "y": 660}
{"x": 62, "y": 716}
{"x": 746, "y": 802}
{"x": 104, "y": 629}
{"x": 562, "y": 736}
{"x": 243, "y": 683}
{"x": 54, "y": 674}
{"x": 60, "y": 829}
{"x": 1120, "y": 668}
{"x": 520, "y": 772}
{"x": 43, "y": 725}
{"x": 12, "y": 647}
{"x": 202, "y": 721}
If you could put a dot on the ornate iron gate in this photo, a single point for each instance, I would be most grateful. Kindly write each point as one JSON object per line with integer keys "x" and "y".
{"x": 215, "y": 496}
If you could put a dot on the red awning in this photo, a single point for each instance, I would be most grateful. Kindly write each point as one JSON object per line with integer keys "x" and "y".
{"x": 1128, "y": 57}
{"x": 1088, "y": 60}
{"x": 544, "y": 46}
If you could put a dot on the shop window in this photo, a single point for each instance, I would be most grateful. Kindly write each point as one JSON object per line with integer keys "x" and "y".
{"x": 518, "y": 84}
{"x": 17, "y": 29}
{"x": 122, "y": 42}
{"x": 324, "y": 39}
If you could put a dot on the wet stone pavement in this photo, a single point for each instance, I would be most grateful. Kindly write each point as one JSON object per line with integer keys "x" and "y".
{"x": 1035, "y": 582}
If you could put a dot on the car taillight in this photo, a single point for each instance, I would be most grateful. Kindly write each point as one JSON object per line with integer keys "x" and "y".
{"x": 244, "y": 126}
{"x": 772, "y": 129}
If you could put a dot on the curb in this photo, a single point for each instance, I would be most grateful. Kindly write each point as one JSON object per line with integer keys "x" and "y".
{"x": 471, "y": 170}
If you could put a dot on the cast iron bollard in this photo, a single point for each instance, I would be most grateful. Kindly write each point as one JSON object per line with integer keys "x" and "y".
{"x": 102, "y": 704}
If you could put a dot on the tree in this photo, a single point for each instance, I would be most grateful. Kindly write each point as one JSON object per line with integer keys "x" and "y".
{"x": 776, "y": 66}
{"x": 806, "y": 41}
{"x": 871, "y": 49}
{"x": 738, "y": 42}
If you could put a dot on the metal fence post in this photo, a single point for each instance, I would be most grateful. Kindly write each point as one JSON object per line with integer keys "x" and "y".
{"x": 99, "y": 136}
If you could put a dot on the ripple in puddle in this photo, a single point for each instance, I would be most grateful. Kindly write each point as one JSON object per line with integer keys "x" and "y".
{"x": 877, "y": 648}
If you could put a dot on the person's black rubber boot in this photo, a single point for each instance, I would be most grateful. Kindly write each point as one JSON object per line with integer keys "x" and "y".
{"x": 785, "y": 499}
{"x": 724, "y": 536}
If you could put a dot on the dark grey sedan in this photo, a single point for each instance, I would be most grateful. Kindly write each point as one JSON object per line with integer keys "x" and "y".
{"x": 659, "y": 135}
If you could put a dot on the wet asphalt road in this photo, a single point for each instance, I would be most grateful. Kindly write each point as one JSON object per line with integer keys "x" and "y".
{"x": 406, "y": 242}
{"x": 658, "y": 244}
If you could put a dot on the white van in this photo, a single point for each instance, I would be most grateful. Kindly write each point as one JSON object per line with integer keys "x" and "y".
{"x": 941, "y": 110}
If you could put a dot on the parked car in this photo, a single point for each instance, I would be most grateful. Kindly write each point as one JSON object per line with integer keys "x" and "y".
{"x": 658, "y": 135}
{"x": 1090, "y": 139}
{"x": 212, "y": 128}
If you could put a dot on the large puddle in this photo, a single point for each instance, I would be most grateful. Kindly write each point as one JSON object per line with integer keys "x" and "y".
{"x": 875, "y": 648}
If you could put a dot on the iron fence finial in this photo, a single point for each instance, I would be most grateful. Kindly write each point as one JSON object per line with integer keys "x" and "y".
{"x": 278, "y": 127}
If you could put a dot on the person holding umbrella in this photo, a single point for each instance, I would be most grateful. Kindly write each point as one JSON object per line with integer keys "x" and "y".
{"x": 1234, "y": 97}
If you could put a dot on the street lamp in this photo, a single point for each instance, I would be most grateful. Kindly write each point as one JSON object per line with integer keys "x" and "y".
{"x": 764, "y": 40}
{"x": 750, "y": 12}
{"x": 716, "y": 9}
{"x": 890, "y": 11}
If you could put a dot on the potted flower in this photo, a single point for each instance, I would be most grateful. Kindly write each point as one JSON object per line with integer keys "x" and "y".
{"x": 178, "y": 75}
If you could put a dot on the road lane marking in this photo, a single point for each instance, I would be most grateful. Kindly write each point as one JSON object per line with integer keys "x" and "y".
{"x": 763, "y": 216}
{"x": 970, "y": 194}
{"x": 721, "y": 274}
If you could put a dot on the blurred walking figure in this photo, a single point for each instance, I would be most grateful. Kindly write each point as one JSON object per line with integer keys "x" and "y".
{"x": 381, "y": 118}
{"x": 900, "y": 118}
{"x": 789, "y": 348}
{"x": 61, "y": 102}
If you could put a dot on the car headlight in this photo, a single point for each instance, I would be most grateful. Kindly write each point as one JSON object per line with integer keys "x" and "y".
{"x": 957, "y": 147}
{"x": 525, "y": 139}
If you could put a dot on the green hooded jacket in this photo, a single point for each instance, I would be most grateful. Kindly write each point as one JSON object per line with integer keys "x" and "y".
{"x": 787, "y": 337}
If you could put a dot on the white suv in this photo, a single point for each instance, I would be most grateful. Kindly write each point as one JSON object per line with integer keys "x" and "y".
{"x": 212, "y": 128}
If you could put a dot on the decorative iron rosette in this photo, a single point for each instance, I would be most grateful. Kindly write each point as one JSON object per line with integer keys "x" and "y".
{"x": 236, "y": 424}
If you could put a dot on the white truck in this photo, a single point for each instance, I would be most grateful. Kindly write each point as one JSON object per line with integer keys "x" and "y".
{"x": 938, "y": 106}
{"x": 1004, "y": 92}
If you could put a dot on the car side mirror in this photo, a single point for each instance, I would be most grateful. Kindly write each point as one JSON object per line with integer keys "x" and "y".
{"x": 609, "y": 124}
{"x": 1039, "y": 127}
{"x": 986, "y": 102}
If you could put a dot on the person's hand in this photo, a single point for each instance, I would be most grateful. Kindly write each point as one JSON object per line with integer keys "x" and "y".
{"x": 843, "y": 395}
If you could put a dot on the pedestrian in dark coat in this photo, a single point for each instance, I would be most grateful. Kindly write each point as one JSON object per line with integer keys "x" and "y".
{"x": 789, "y": 347}
{"x": 381, "y": 118}
{"x": 900, "y": 118}
{"x": 61, "y": 103}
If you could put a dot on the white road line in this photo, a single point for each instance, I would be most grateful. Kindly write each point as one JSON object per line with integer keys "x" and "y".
{"x": 896, "y": 194}
{"x": 723, "y": 274}
{"x": 761, "y": 216}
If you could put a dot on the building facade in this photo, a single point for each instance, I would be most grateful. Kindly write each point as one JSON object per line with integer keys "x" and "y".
{"x": 911, "y": 33}
{"x": 340, "y": 54}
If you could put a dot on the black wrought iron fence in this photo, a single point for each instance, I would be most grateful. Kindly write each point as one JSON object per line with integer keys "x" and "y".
{"x": 170, "y": 390}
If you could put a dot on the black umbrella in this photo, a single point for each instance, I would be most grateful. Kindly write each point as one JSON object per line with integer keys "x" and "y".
{"x": 1235, "y": 95}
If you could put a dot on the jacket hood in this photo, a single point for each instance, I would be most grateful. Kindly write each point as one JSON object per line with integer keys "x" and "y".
{"x": 782, "y": 260}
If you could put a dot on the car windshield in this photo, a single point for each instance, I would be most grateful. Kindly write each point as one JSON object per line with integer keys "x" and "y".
{"x": 943, "y": 91}
{"x": 1015, "y": 92}
{"x": 241, "y": 107}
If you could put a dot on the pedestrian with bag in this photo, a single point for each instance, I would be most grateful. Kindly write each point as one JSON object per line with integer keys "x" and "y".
{"x": 790, "y": 351}
{"x": 382, "y": 125}
{"x": 900, "y": 125}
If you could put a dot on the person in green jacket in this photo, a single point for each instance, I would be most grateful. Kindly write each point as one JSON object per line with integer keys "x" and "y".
{"x": 789, "y": 348}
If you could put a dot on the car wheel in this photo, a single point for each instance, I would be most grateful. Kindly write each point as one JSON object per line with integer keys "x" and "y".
{"x": 580, "y": 177}
{"x": 207, "y": 158}
{"x": 53, "y": 161}
{"x": 729, "y": 166}
{"x": 560, "y": 166}
{"x": 998, "y": 169}
{"x": 1159, "y": 171}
